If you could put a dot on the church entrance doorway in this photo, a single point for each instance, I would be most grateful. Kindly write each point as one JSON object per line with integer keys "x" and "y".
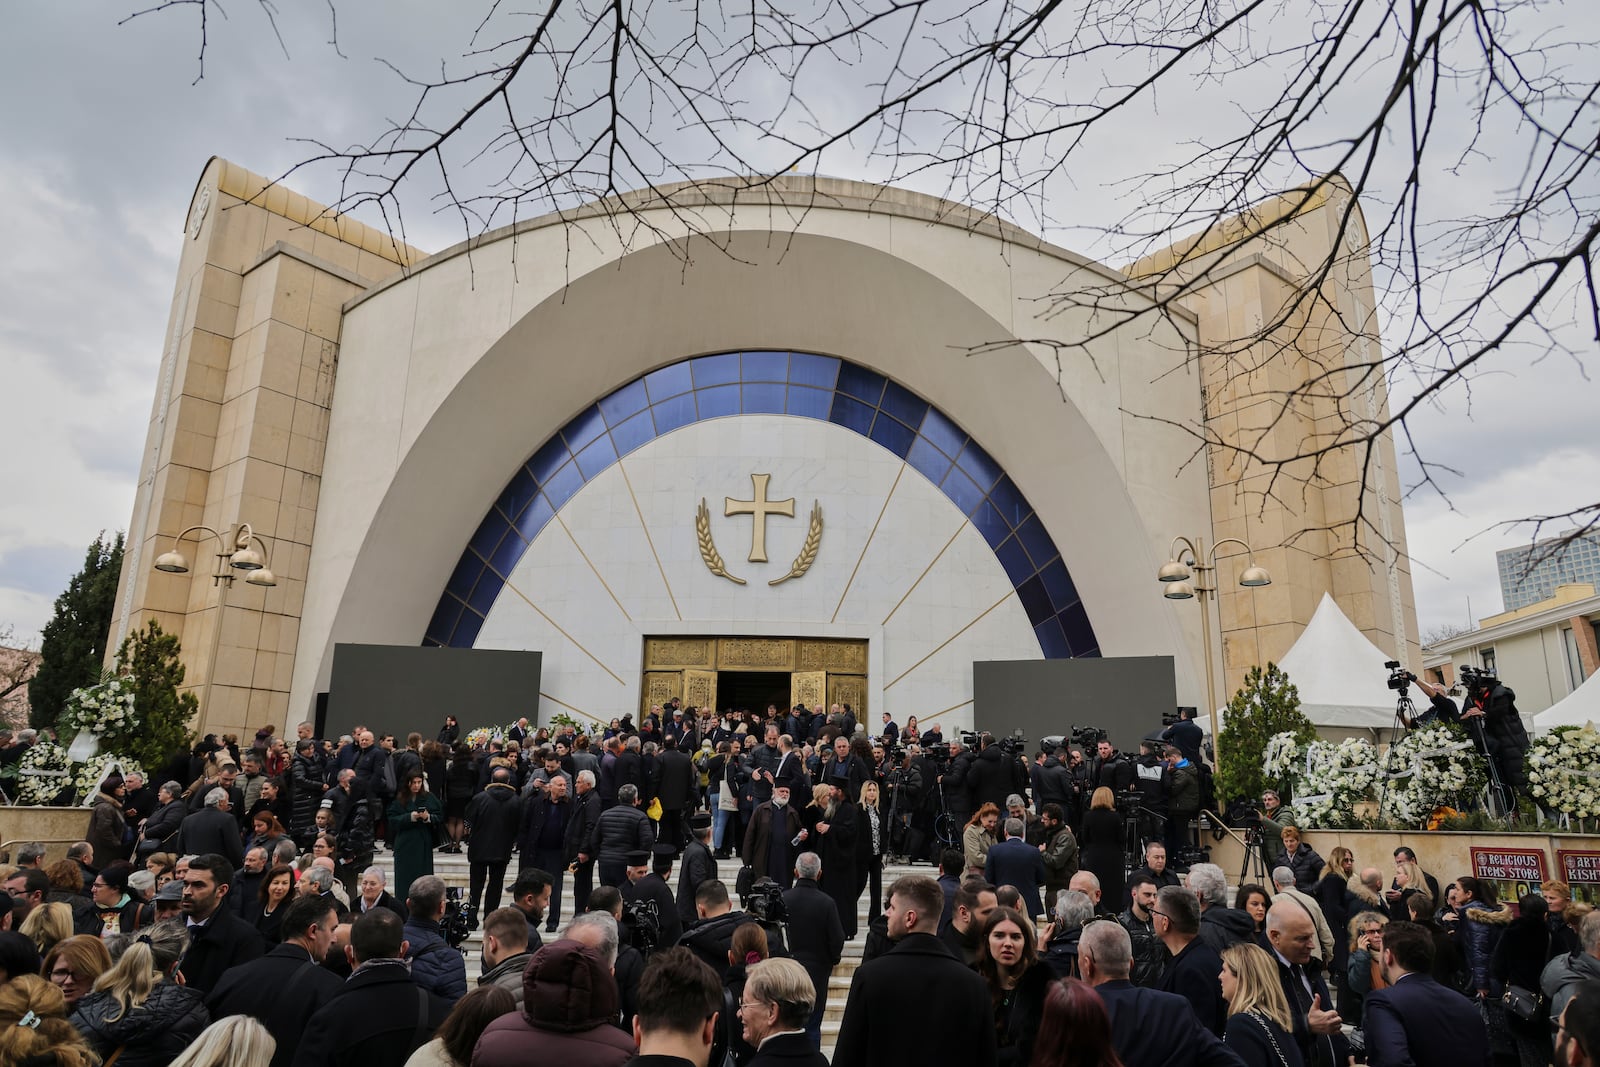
{"x": 752, "y": 672}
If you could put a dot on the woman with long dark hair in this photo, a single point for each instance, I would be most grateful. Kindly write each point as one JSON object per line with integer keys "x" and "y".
{"x": 1519, "y": 960}
{"x": 1008, "y": 960}
{"x": 272, "y": 900}
{"x": 462, "y": 781}
{"x": 1075, "y": 1030}
{"x": 453, "y": 1043}
{"x": 1255, "y": 901}
{"x": 416, "y": 824}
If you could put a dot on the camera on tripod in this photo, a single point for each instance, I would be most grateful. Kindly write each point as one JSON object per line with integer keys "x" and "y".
{"x": 1399, "y": 677}
{"x": 1477, "y": 679}
{"x": 1015, "y": 743}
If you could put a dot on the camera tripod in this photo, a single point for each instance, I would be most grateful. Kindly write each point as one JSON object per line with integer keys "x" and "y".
{"x": 1499, "y": 799}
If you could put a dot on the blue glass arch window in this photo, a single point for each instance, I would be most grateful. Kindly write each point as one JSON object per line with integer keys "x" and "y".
{"x": 798, "y": 384}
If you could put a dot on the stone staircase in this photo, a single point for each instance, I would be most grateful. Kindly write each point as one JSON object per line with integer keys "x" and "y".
{"x": 454, "y": 870}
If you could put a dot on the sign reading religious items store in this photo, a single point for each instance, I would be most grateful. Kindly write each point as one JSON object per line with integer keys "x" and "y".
{"x": 758, "y": 507}
{"x": 1580, "y": 869}
{"x": 1515, "y": 872}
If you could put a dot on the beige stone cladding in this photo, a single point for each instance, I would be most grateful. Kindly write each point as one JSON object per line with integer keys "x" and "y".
{"x": 1266, "y": 334}
{"x": 238, "y": 430}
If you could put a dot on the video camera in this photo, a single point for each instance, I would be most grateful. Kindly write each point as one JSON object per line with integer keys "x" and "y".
{"x": 1087, "y": 737}
{"x": 1477, "y": 679}
{"x": 642, "y": 925}
{"x": 765, "y": 902}
{"x": 1399, "y": 677}
{"x": 458, "y": 919}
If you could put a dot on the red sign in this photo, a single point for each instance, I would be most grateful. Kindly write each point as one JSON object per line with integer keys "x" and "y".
{"x": 1509, "y": 865}
{"x": 1581, "y": 870}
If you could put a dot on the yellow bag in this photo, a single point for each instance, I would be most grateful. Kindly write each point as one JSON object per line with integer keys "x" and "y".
{"x": 654, "y": 810}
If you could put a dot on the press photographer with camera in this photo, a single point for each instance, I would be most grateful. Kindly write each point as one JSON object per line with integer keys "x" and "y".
{"x": 1493, "y": 707}
{"x": 1110, "y": 769}
{"x": 1442, "y": 708}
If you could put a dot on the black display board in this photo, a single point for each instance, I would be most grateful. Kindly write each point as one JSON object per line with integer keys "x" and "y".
{"x": 1122, "y": 695}
{"x": 399, "y": 688}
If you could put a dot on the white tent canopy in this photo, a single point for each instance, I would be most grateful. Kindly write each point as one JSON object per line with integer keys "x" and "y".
{"x": 1578, "y": 707}
{"x": 1340, "y": 674}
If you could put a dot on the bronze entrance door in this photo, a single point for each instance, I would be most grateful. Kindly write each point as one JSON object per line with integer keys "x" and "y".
{"x": 806, "y": 670}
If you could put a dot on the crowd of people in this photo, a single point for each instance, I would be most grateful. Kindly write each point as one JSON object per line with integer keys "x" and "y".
{"x": 234, "y": 916}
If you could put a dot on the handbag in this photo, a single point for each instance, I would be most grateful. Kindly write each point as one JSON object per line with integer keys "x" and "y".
{"x": 1522, "y": 1003}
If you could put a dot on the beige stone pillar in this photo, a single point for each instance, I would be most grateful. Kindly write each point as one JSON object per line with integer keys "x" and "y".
{"x": 238, "y": 429}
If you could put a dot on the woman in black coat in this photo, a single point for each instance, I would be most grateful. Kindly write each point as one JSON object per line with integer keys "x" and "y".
{"x": 1018, "y": 980}
{"x": 1100, "y": 846}
{"x": 461, "y": 784}
{"x": 872, "y": 841}
{"x": 1333, "y": 894}
{"x": 1519, "y": 960}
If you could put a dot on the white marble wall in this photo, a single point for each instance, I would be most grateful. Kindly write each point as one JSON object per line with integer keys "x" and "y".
{"x": 928, "y": 593}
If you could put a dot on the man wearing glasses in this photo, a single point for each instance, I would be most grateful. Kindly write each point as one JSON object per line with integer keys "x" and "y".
{"x": 1192, "y": 974}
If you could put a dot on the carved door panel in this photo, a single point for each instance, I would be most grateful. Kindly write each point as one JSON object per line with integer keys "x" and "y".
{"x": 808, "y": 687}
{"x": 849, "y": 689}
{"x": 700, "y": 689}
{"x": 659, "y": 687}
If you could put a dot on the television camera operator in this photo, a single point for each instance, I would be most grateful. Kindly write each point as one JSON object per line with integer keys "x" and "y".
{"x": 1185, "y": 734}
{"x": 1153, "y": 780}
{"x": 1441, "y": 707}
{"x": 1493, "y": 707}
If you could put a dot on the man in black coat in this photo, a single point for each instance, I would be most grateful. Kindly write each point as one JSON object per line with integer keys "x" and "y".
{"x": 1014, "y": 862}
{"x": 816, "y": 940}
{"x": 284, "y": 988}
{"x": 1149, "y": 1028}
{"x": 1415, "y": 1021}
{"x": 916, "y": 980}
{"x": 1185, "y": 734}
{"x": 1318, "y": 1032}
{"x": 493, "y": 815}
{"x": 676, "y": 791}
{"x": 619, "y": 830}
{"x": 647, "y": 881}
{"x": 218, "y": 937}
{"x": 213, "y": 830}
{"x": 994, "y": 776}
{"x": 709, "y": 934}
{"x": 585, "y": 814}
{"x": 697, "y": 866}
{"x": 1192, "y": 973}
{"x": 380, "y": 1016}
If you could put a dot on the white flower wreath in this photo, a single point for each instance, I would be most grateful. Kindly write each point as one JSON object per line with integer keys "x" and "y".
{"x": 105, "y": 710}
{"x": 1564, "y": 771}
{"x": 1438, "y": 764}
{"x": 1327, "y": 779}
{"x": 89, "y": 776}
{"x": 42, "y": 772}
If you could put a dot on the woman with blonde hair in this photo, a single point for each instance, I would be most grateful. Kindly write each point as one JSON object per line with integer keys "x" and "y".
{"x": 1364, "y": 972}
{"x": 982, "y": 832}
{"x": 136, "y": 1008}
{"x": 237, "y": 1041}
{"x": 34, "y": 1028}
{"x": 872, "y": 843}
{"x": 75, "y": 964}
{"x": 1260, "y": 1028}
{"x": 47, "y": 925}
{"x": 1100, "y": 845}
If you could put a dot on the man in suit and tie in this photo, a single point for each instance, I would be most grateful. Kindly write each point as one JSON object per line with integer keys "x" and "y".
{"x": 1149, "y": 1028}
{"x": 1291, "y": 938}
{"x": 1415, "y": 1021}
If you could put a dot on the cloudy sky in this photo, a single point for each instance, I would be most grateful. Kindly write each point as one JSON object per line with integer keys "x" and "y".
{"x": 107, "y": 133}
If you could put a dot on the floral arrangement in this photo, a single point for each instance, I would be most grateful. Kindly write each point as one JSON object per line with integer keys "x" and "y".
{"x": 42, "y": 772}
{"x": 1280, "y": 759}
{"x": 482, "y": 735}
{"x": 1435, "y": 765}
{"x": 1564, "y": 771}
{"x": 1332, "y": 780}
{"x": 105, "y": 710}
{"x": 87, "y": 777}
{"x": 1327, "y": 780}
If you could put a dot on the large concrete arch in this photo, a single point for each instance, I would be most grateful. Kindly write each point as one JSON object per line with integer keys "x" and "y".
{"x": 454, "y": 374}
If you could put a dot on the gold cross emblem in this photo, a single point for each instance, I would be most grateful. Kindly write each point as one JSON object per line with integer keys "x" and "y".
{"x": 758, "y": 509}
